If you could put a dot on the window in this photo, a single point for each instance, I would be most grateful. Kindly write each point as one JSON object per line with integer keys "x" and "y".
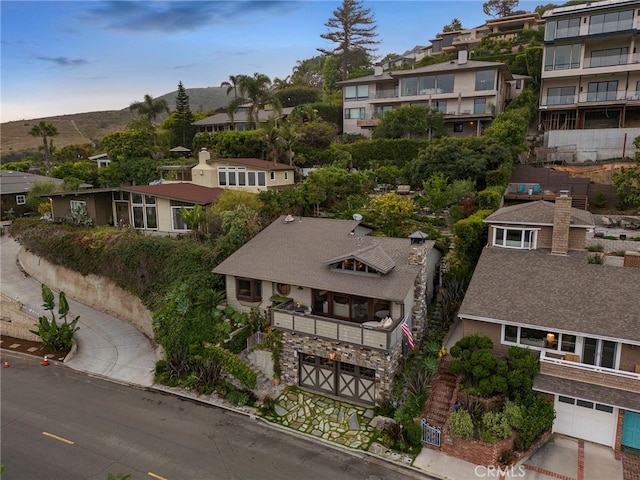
{"x": 177, "y": 222}
{"x": 78, "y": 207}
{"x": 356, "y": 92}
{"x": 561, "y": 95}
{"x": 585, "y": 404}
{"x": 378, "y": 112}
{"x": 445, "y": 83}
{"x": 440, "y": 105}
{"x": 272, "y": 175}
{"x": 479, "y": 106}
{"x": 283, "y": 288}
{"x": 286, "y": 175}
{"x": 602, "y": 91}
{"x": 531, "y": 337}
{"x": 518, "y": 84}
{"x": 485, "y": 80}
{"x": 525, "y": 239}
{"x": 236, "y": 177}
{"x": 21, "y": 199}
{"x": 409, "y": 86}
{"x": 248, "y": 290}
{"x": 611, "y": 22}
{"x": 457, "y": 127}
{"x": 222, "y": 177}
{"x": 568, "y": 400}
{"x": 609, "y": 57}
{"x": 562, "y": 29}
{"x": 242, "y": 179}
{"x": 144, "y": 211}
{"x": 601, "y": 353}
{"x": 262, "y": 179}
{"x": 251, "y": 178}
{"x": 563, "y": 57}
{"x": 354, "y": 113}
{"x": 568, "y": 343}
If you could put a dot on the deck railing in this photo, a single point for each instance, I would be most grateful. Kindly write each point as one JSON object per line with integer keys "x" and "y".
{"x": 336, "y": 330}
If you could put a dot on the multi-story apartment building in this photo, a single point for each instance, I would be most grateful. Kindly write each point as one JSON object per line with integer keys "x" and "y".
{"x": 468, "y": 93}
{"x": 591, "y": 71}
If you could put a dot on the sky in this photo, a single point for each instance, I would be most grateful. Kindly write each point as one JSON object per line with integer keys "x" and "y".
{"x": 65, "y": 57}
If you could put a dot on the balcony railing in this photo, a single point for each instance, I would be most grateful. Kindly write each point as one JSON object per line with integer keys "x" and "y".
{"x": 591, "y": 97}
{"x": 611, "y": 60}
{"x": 385, "y": 94}
{"x": 622, "y": 374}
{"x": 336, "y": 330}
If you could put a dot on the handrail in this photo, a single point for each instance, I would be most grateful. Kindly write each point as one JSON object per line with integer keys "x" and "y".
{"x": 591, "y": 368}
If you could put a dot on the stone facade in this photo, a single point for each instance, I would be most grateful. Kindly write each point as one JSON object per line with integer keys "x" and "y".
{"x": 385, "y": 364}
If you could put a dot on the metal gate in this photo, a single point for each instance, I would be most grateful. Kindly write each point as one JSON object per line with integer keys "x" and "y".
{"x": 430, "y": 434}
{"x": 337, "y": 378}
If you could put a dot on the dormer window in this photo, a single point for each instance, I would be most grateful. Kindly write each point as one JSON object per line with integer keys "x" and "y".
{"x": 353, "y": 265}
{"x": 511, "y": 237}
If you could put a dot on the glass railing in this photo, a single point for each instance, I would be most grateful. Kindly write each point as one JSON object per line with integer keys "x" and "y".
{"x": 611, "y": 60}
{"x": 608, "y": 27}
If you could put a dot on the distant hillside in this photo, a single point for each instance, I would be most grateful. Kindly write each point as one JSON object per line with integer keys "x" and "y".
{"x": 91, "y": 127}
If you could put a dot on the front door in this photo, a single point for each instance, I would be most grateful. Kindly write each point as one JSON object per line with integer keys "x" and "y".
{"x": 631, "y": 430}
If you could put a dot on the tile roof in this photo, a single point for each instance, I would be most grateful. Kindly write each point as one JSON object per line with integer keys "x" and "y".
{"x": 538, "y": 213}
{"x": 297, "y": 252}
{"x": 182, "y": 191}
{"x": 564, "y": 292}
{"x": 587, "y": 391}
{"x": 254, "y": 162}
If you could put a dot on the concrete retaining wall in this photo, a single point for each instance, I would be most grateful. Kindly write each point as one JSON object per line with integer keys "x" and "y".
{"x": 595, "y": 144}
{"x": 91, "y": 290}
{"x": 15, "y": 321}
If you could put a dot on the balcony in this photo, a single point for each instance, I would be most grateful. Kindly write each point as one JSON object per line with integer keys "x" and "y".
{"x": 611, "y": 60}
{"x": 557, "y": 366}
{"x": 592, "y": 98}
{"x": 364, "y": 335}
{"x": 379, "y": 94}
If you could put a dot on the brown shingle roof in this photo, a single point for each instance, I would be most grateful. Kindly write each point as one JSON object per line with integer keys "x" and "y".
{"x": 555, "y": 291}
{"x": 182, "y": 191}
{"x": 536, "y": 214}
{"x": 296, "y": 253}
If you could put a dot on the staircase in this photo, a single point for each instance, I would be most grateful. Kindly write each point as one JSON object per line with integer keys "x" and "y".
{"x": 442, "y": 389}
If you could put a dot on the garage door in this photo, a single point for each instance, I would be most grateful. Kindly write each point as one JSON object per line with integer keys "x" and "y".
{"x": 590, "y": 421}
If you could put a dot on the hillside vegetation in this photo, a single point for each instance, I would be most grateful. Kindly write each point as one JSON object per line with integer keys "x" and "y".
{"x": 91, "y": 127}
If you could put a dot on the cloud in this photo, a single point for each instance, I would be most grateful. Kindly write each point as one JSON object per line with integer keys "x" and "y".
{"x": 182, "y": 67}
{"x": 63, "y": 61}
{"x": 176, "y": 16}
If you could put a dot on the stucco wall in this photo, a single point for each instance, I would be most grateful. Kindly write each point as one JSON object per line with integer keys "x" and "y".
{"x": 90, "y": 290}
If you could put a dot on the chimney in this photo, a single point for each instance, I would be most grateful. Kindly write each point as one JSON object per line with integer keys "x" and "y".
{"x": 561, "y": 222}
{"x": 462, "y": 57}
{"x": 631, "y": 259}
{"x": 203, "y": 156}
{"x": 377, "y": 70}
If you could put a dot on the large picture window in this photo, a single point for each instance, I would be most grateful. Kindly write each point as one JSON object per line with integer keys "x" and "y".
{"x": 356, "y": 92}
{"x": 144, "y": 211}
{"x": 240, "y": 177}
{"x": 602, "y": 91}
{"x": 611, "y": 22}
{"x": 563, "y": 57}
{"x": 485, "y": 80}
{"x": 561, "y": 95}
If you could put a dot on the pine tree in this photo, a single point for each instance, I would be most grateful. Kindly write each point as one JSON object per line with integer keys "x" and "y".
{"x": 183, "y": 130}
{"x": 353, "y": 30}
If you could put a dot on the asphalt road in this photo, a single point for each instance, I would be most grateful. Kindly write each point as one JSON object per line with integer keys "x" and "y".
{"x": 60, "y": 424}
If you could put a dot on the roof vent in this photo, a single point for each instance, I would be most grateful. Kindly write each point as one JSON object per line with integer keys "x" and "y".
{"x": 357, "y": 217}
{"x": 289, "y": 219}
{"x": 564, "y": 193}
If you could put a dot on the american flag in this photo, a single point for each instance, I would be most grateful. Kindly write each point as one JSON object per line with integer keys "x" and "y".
{"x": 406, "y": 329}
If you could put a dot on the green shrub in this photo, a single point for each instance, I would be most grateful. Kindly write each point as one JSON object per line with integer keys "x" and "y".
{"x": 461, "y": 424}
{"x": 414, "y": 434}
{"x": 537, "y": 417}
{"x": 601, "y": 200}
{"x": 55, "y": 338}
{"x": 597, "y": 259}
{"x": 513, "y": 414}
{"x": 494, "y": 427}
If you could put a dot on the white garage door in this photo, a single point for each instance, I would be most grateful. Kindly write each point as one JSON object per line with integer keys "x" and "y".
{"x": 587, "y": 420}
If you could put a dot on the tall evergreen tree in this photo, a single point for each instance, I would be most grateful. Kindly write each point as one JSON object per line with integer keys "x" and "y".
{"x": 352, "y": 30}
{"x": 183, "y": 130}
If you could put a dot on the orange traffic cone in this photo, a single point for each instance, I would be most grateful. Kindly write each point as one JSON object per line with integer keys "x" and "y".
{"x": 6, "y": 364}
{"x": 45, "y": 361}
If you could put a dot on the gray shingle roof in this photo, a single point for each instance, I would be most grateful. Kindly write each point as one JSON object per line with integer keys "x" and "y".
{"x": 536, "y": 214}
{"x": 555, "y": 291}
{"x": 373, "y": 255}
{"x": 297, "y": 253}
{"x": 12, "y": 182}
{"x": 588, "y": 391}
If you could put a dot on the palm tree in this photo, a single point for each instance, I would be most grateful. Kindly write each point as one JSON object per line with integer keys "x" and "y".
{"x": 256, "y": 91}
{"x": 287, "y": 136}
{"x": 45, "y": 131}
{"x": 232, "y": 86}
{"x": 150, "y": 106}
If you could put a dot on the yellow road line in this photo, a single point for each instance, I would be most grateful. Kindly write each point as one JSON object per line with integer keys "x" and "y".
{"x": 57, "y": 438}
{"x": 158, "y": 477}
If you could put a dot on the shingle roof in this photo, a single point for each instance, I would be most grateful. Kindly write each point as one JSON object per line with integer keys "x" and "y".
{"x": 373, "y": 255}
{"x": 587, "y": 391}
{"x": 564, "y": 292}
{"x": 451, "y": 66}
{"x": 182, "y": 191}
{"x": 537, "y": 213}
{"x": 296, "y": 253}
{"x": 12, "y": 182}
{"x": 240, "y": 117}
